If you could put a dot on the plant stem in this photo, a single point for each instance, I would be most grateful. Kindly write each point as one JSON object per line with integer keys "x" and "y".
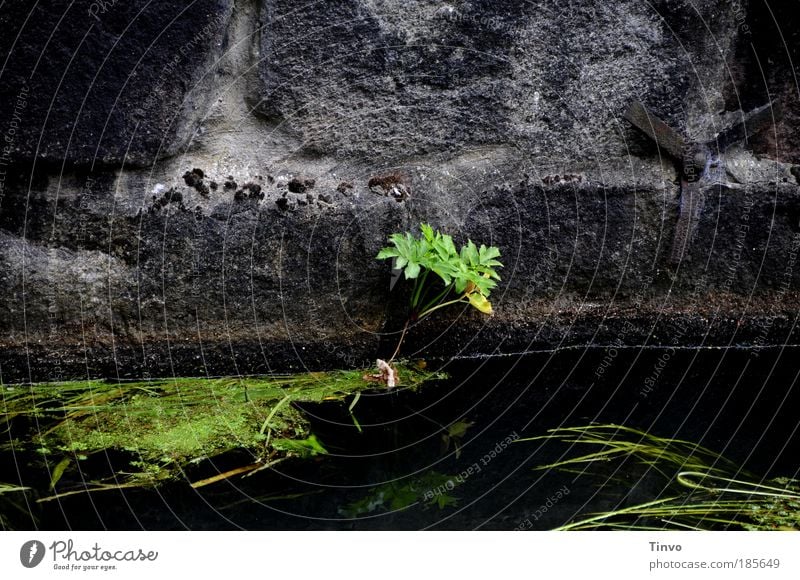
{"x": 442, "y": 305}
{"x": 425, "y": 311}
{"x": 422, "y": 296}
{"x": 418, "y": 288}
{"x": 400, "y": 342}
{"x": 441, "y": 295}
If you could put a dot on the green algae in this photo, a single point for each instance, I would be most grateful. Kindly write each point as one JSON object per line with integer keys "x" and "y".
{"x": 164, "y": 426}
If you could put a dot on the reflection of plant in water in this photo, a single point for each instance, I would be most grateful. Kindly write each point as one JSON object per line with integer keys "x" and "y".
{"x": 704, "y": 490}
{"x": 399, "y": 495}
{"x": 465, "y": 277}
{"x": 454, "y": 434}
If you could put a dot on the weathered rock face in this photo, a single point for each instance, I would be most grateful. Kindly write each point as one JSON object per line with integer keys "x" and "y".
{"x": 186, "y": 187}
{"x": 381, "y": 81}
{"x": 107, "y": 82}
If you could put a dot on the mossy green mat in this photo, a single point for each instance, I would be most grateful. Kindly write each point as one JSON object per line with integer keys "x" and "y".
{"x": 165, "y": 425}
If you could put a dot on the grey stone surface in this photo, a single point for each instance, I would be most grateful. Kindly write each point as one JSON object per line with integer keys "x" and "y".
{"x": 228, "y": 225}
{"x": 106, "y": 83}
{"x": 375, "y": 79}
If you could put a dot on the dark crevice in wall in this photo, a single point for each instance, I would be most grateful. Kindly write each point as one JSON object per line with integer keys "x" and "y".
{"x": 765, "y": 66}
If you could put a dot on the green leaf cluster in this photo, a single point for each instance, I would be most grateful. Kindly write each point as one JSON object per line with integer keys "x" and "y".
{"x": 470, "y": 273}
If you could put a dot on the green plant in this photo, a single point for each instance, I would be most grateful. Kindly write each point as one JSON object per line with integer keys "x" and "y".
{"x": 465, "y": 277}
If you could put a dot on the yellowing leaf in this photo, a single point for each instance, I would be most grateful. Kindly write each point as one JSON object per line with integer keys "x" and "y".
{"x": 480, "y": 302}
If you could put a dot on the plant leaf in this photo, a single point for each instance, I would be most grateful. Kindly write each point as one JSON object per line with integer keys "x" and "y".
{"x": 58, "y": 471}
{"x": 412, "y": 270}
{"x": 469, "y": 271}
{"x": 480, "y": 302}
{"x": 387, "y": 253}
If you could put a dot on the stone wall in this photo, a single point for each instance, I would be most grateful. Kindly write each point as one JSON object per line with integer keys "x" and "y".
{"x": 185, "y": 185}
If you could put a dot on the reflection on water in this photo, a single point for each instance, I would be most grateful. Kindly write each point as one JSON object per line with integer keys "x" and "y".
{"x": 449, "y": 456}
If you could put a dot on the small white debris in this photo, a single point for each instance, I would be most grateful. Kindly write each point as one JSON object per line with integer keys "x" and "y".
{"x": 388, "y": 374}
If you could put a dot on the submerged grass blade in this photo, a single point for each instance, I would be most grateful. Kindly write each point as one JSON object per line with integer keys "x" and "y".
{"x": 226, "y": 475}
{"x": 7, "y": 488}
{"x": 701, "y": 484}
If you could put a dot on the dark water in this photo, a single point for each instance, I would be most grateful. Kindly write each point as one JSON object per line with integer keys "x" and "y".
{"x": 742, "y": 404}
